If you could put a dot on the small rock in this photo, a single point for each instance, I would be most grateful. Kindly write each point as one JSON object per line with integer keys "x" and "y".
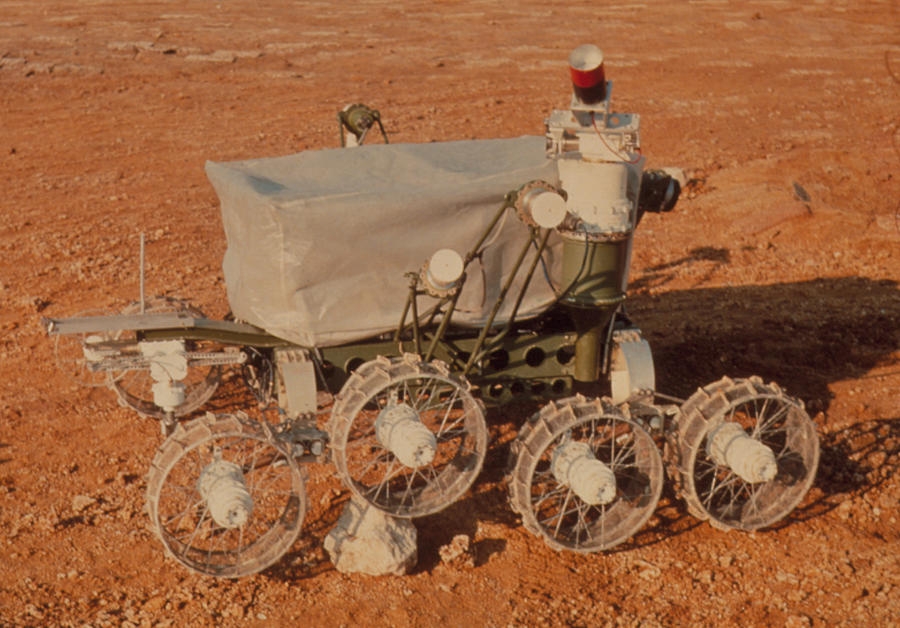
{"x": 33, "y": 611}
{"x": 40, "y": 303}
{"x": 458, "y": 551}
{"x": 796, "y": 595}
{"x": 154, "y": 604}
{"x": 219, "y": 56}
{"x": 367, "y": 540}
{"x": 235, "y": 610}
{"x": 329, "y": 497}
{"x": 798, "y": 621}
{"x": 81, "y": 502}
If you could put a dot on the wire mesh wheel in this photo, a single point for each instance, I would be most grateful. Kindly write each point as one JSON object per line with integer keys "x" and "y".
{"x": 135, "y": 387}
{"x": 549, "y": 505}
{"x": 436, "y": 400}
{"x": 225, "y": 497}
{"x": 713, "y": 490}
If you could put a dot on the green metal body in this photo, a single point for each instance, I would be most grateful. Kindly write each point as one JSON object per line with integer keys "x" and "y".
{"x": 521, "y": 367}
{"x": 597, "y": 273}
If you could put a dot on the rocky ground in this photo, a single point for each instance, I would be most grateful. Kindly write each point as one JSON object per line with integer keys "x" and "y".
{"x": 109, "y": 110}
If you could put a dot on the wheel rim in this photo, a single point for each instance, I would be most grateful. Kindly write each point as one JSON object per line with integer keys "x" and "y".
{"x": 443, "y": 405}
{"x": 180, "y": 511}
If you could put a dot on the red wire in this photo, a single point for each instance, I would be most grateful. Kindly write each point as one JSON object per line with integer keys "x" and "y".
{"x": 614, "y": 152}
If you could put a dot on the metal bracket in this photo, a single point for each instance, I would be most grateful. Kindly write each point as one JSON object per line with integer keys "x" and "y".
{"x": 631, "y": 366}
{"x": 296, "y": 382}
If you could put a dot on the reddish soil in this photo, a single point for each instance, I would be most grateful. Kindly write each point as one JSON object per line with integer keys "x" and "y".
{"x": 109, "y": 110}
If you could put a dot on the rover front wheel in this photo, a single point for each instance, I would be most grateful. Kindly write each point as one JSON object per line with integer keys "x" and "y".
{"x": 135, "y": 387}
{"x": 225, "y": 497}
{"x": 745, "y": 453}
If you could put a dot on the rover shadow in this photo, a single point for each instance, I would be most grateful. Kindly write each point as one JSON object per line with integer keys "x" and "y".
{"x": 484, "y": 505}
{"x": 662, "y": 273}
{"x": 803, "y": 335}
{"x": 307, "y": 557}
{"x": 231, "y": 396}
{"x": 669, "y": 520}
{"x": 853, "y": 461}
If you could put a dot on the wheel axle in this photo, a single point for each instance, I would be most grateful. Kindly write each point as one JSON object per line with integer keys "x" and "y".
{"x": 729, "y": 445}
{"x": 574, "y": 465}
{"x": 400, "y": 431}
{"x": 222, "y": 485}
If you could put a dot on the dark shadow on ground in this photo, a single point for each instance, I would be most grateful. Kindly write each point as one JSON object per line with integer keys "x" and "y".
{"x": 802, "y": 335}
{"x": 854, "y": 461}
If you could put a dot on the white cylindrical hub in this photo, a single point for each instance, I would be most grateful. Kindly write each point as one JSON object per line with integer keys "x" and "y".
{"x": 729, "y": 445}
{"x": 222, "y": 485}
{"x": 400, "y": 431}
{"x": 600, "y": 193}
{"x": 168, "y": 395}
{"x": 574, "y": 465}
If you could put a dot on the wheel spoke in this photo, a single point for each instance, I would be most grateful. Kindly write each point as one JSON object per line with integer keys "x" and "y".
{"x": 447, "y": 413}
{"x": 762, "y": 429}
{"x": 169, "y": 520}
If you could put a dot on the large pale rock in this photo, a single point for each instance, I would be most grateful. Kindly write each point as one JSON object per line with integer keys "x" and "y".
{"x": 366, "y": 540}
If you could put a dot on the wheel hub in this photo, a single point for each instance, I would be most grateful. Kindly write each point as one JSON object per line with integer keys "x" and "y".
{"x": 222, "y": 485}
{"x": 399, "y": 430}
{"x": 729, "y": 445}
{"x": 574, "y": 465}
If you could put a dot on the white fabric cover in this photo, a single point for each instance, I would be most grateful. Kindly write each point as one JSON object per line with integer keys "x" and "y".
{"x": 319, "y": 242}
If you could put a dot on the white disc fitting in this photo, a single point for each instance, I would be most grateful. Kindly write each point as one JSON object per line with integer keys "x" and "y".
{"x": 444, "y": 269}
{"x": 547, "y": 208}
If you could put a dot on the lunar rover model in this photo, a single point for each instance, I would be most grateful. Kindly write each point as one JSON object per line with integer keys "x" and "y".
{"x": 384, "y": 295}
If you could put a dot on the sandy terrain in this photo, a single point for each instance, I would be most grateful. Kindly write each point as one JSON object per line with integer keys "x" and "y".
{"x": 108, "y": 110}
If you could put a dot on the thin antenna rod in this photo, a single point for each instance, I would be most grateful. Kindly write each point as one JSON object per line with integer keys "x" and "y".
{"x": 142, "y": 272}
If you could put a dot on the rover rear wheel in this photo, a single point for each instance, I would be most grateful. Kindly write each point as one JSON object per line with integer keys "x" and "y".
{"x": 225, "y": 497}
{"x": 745, "y": 453}
{"x": 583, "y": 475}
{"x": 407, "y": 436}
{"x": 135, "y": 387}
